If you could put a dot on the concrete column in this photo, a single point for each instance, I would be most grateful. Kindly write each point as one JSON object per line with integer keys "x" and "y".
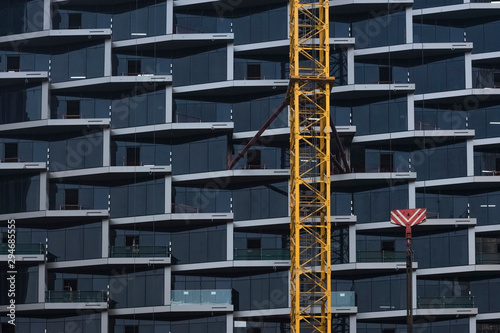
{"x": 168, "y": 194}
{"x": 230, "y": 61}
{"x": 108, "y": 60}
{"x": 352, "y": 243}
{"x": 44, "y": 205}
{"x": 470, "y": 157}
{"x": 106, "y": 147}
{"x": 105, "y": 238}
{"x": 472, "y": 322}
{"x": 468, "y": 70}
{"x": 170, "y": 17}
{"x": 104, "y": 322}
{"x": 230, "y": 241}
{"x": 412, "y": 200}
{"x": 229, "y": 323}
{"x": 167, "y": 287}
{"x": 352, "y": 323}
{"x": 42, "y": 286}
{"x": 169, "y": 105}
{"x": 45, "y": 110}
{"x": 350, "y": 65}
{"x": 47, "y": 15}
{"x": 471, "y": 245}
{"x": 411, "y": 112}
{"x": 409, "y": 25}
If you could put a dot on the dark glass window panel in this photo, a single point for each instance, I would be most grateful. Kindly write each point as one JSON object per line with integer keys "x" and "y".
{"x": 253, "y": 72}
{"x": 11, "y": 152}
{"x": 13, "y": 63}
{"x": 71, "y": 199}
{"x": 385, "y": 75}
{"x": 133, "y": 67}
{"x": 133, "y": 156}
{"x": 74, "y": 21}
{"x": 73, "y": 109}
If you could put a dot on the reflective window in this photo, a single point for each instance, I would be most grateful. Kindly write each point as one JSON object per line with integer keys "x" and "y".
{"x": 141, "y": 64}
{"x": 77, "y": 197}
{"x": 434, "y": 3}
{"x": 261, "y": 202}
{"x": 194, "y": 21}
{"x": 21, "y": 16}
{"x": 264, "y": 291}
{"x": 23, "y": 61}
{"x": 383, "y": 293}
{"x": 14, "y": 150}
{"x": 213, "y": 198}
{"x": 141, "y": 289}
{"x": 209, "y": 65}
{"x": 136, "y": 154}
{"x": 376, "y": 205}
{"x": 252, "y": 114}
{"x": 85, "y": 151}
{"x": 261, "y": 68}
{"x": 197, "y": 111}
{"x": 77, "y": 61}
{"x": 200, "y": 156}
{"x": 75, "y": 243}
{"x": 384, "y": 29}
{"x": 441, "y": 162}
{"x": 139, "y": 19}
{"x": 441, "y": 250}
{"x": 20, "y": 103}
{"x": 139, "y": 107}
{"x": 485, "y": 295}
{"x": 211, "y": 324}
{"x": 19, "y": 193}
{"x": 260, "y": 24}
{"x": 81, "y": 17}
{"x": 69, "y": 107}
{"x": 26, "y": 290}
{"x": 144, "y": 198}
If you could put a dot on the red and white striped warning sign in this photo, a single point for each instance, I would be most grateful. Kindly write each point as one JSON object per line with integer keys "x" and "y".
{"x": 411, "y": 217}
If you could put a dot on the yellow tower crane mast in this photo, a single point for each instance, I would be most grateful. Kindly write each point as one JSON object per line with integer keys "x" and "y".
{"x": 309, "y": 98}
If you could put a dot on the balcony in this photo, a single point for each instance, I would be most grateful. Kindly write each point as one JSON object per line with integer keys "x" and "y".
{"x": 343, "y": 299}
{"x": 381, "y": 256}
{"x": 138, "y": 251}
{"x": 261, "y": 254}
{"x": 77, "y": 296}
{"x": 445, "y": 302}
{"x": 198, "y": 297}
{"x": 23, "y": 248}
{"x": 487, "y": 258}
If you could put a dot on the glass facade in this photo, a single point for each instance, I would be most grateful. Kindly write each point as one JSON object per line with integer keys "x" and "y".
{"x": 119, "y": 118}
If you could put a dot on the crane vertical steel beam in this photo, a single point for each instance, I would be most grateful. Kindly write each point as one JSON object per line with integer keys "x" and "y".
{"x": 310, "y": 233}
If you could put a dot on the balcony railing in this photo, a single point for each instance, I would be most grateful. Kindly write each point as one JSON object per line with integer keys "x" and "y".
{"x": 138, "y": 251}
{"x": 487, "y": 258}
{"x": 445, "y": 302}
{"x": 339, "y": 298}
{"x": 190, "y": 297}
{"x": 261, "y": 254}
{"x": 75, "y": 296}
{"x": 380, "y": 256}
{"x": 22, "y": 248}
{"x": 343, "y": 298}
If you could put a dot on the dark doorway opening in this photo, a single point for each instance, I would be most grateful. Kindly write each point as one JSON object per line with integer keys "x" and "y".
{"x": 71, "y": 199}
{"x": 13, "y": 63}
{"x": 75, "y": 21}
{"x": 133, "y": 156}
{"x": 72, "y": 109}
{"x": 386, "y": 163}
{"x": 11, "y": 152}
{"x": 253, "y": 72}
{"x": 134, "y": 67}
{"x": 385, "y": 74}
{"x": 253, "y": 159}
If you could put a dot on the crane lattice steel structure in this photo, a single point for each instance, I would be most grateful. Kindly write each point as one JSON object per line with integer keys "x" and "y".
{"x": 309, "y": 98}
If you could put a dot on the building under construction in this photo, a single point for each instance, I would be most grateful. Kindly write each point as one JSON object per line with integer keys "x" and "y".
{"x": 143, "y": 202}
